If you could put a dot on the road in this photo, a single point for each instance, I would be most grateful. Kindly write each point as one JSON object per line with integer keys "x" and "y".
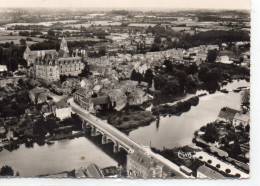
{"x": 123, "y": 138}
{"x": 223, "y": 165}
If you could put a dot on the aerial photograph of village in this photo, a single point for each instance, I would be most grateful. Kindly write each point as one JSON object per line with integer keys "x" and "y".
{"x": 124, "y": 92}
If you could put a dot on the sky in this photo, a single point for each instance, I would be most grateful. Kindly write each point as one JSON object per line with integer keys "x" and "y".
{"x": 129, "y": 4}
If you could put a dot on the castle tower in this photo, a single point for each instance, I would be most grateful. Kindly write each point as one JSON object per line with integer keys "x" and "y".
{"x": 64, "y": 47}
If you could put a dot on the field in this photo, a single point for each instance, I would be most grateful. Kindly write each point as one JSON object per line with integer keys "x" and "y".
{"x": 5, "y": 37}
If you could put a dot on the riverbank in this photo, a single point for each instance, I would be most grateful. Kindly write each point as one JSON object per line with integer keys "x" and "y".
{"x": 176, "y": 109}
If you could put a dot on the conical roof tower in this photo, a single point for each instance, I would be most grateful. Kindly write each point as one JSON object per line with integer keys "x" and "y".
{"x": 64, "y": 47}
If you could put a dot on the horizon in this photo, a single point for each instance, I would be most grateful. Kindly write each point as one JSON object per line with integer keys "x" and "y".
{"x": 130, "y": 4}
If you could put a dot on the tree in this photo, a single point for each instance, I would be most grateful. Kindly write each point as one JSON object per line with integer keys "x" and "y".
{"x": 128, "y": 93}
{"x": 6, "y": 171}
{"x": 169, "y": 66}
{"x": 211, "y": 133}
{"x": 39, "y": 127}
{"x": 51, "y": 33}
{"x": 133, "y": 75}
{"x": 212, "y": 55}
{"x": 148, "y": 76}
{"x": 236, "y": 149}
{"x": 247, "y": 128}
{"x": 157, "y": 40}
{"x": 22, "y": 41}
{"x": 51, "y": 124}
{"x": 228, "y": 171}
{"x": 85, "y": 72}
{"x": 245, "y": 98}
{"x": 20, "y": 82}
{"x": 102, "y": 51}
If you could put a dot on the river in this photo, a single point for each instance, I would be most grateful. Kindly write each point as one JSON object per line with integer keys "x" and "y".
{"x": 176, "y": 131}
{"x": 169, "y": 132}
{"x": 58, "y": 157}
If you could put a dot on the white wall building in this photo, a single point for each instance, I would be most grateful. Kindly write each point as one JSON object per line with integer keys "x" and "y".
{"x": 62, "y": 110}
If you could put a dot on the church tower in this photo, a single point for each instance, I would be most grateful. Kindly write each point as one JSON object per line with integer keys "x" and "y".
{"x": 64, "y": 50}
{"x": 26, "y": 52}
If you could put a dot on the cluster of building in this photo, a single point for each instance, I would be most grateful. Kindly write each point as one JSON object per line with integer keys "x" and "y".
{"x": 109, "y": 93}
{"x": 60, "y": 109}
{"x": 234, "y": 117}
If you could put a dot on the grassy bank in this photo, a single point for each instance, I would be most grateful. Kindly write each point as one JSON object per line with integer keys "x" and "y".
{"x": 133, "y": 118}
{"x": 178, "y": 108}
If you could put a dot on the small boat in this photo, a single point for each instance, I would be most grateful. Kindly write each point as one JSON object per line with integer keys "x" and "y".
{"x": 236, "y": 90}
{"x": 49, "y": 142}
{"x": 224, "y": 91}
{"x": 224, "y": 82}
{"x": 241, "y": 88}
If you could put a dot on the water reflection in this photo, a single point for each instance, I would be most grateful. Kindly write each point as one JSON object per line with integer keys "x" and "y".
{"x": 178, "y": 131}
{"x": 33, "y": 160}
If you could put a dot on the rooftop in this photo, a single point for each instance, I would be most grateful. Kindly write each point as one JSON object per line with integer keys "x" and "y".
{"x": 144, "y": 159}
{"x": 101, "y": 100}
{"x": 242, "y": 117}
{"x": 227, "y": 113}
{"x": 93, "y": 171}
{"x": 62, "y": 104}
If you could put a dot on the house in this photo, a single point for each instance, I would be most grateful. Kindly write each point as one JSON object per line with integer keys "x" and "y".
{"x": 62, "y": 110}
{"x": 61, "y": 88}
{"x": 202, "y": 55}
{"x": 206, "y": 172}
{"x": 241, "y": 119}
{"x": 81, "y": 93}
{"x": 91, "y": 104}
{"x": 93, "y": 171}
{"x": 71, "y": 83}
{"x": 38, "y": 95}
{"x": 117, "y": 97}
{"x": 227, "y": 114}
{"x": 223, "y": 59}
{"x": 3, "y": 68}
{"x": 98, "y": 101}
{"x": 48, "y": 108}
{"x": 85, "y": 83}
{"x": 97, "y": 88}
{"x": 140, "y": 165}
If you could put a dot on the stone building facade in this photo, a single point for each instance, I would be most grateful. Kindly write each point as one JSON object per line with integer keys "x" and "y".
{"x": 140, "y": 165}
{"x": 49, "y": 65}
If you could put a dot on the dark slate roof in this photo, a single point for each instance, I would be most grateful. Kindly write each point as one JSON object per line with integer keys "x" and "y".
{"x": 62, "y": 104}
{"x": 227, "y": 113}
{"x": 101, "y": 100}
{"x": 210, "y": 173}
